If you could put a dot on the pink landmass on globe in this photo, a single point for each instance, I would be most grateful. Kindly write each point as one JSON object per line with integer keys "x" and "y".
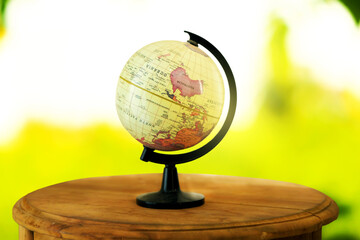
{"x": 188, "y": 87}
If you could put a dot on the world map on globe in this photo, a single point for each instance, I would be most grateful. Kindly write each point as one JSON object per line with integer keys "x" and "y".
{"x": 170, "y": 95}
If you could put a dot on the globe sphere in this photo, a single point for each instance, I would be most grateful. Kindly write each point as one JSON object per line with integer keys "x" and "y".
{"x": 170, "y": 95}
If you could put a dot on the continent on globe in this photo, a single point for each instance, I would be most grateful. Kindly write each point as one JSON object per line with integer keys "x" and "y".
{"x": 172, "y": 96}
{"x": 185, "y": 137}
{"x": 188, "y": 87}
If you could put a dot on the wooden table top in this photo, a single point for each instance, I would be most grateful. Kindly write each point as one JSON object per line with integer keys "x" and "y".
{"x": 105, "y": 208}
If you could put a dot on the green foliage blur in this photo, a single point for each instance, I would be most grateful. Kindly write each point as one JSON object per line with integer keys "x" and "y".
{"x": 303, "y": 133}
{"x": 354, "y": 8}
{"x": 2, "y": 17}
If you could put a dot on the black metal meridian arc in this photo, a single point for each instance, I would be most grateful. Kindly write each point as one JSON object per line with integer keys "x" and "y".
{"x": 149, "y": 155}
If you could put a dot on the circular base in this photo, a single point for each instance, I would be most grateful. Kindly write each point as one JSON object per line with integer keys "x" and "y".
{"x": 170, "y": 200}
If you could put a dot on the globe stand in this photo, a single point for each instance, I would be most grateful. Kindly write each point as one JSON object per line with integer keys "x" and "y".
{"x": 170, "y": 196}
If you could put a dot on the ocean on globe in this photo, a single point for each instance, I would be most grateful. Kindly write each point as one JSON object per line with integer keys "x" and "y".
{"x": 170, "y": 95}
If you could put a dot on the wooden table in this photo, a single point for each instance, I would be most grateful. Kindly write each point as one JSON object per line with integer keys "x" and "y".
{"x": 235, "y": 208}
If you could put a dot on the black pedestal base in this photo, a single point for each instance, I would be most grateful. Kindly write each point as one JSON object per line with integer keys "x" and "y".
{"x": 170, "y": 196}
{"x": 173, "y": 200}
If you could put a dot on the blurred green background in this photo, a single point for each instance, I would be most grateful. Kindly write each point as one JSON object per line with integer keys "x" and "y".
{"x": 303, "y": 130}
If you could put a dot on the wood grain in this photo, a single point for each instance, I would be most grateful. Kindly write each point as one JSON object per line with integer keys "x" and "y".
{"x": 307, "y": 236}
{"x": 39, "y": 236}
{"x": 25, "y": 234}
{"x": 235, "y": 207}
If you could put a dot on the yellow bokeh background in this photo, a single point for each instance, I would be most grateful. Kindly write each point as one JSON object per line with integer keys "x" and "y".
{"x": 303, "y": 131}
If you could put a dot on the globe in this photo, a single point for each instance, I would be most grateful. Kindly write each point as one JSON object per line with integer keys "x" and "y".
{"x": 170, "y": 95}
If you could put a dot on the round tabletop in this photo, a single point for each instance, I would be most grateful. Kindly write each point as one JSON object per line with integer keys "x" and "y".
{"x": 235, "y": 207}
